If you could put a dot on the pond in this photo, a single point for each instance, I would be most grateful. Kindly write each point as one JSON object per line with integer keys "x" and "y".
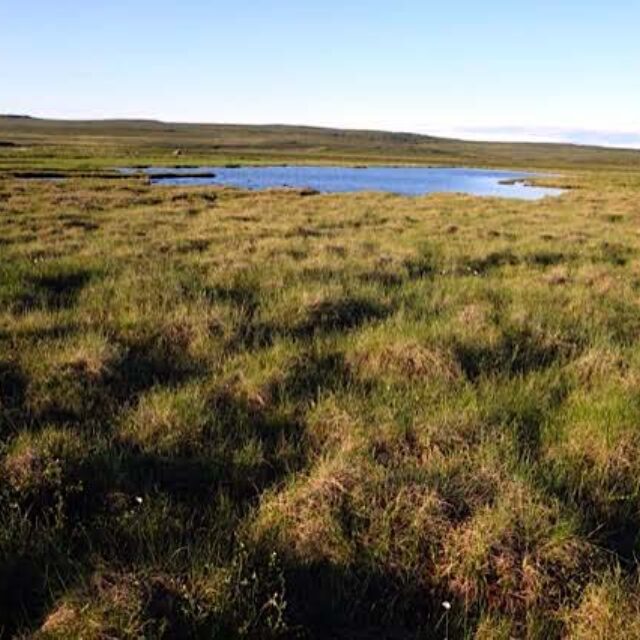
{"x": 412, "y": 181}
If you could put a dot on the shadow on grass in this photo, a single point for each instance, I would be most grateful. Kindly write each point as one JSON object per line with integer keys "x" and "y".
{"x": 60, "y": 290}
{"x": 383, "y": 278}
{"x": 57, "y": 287}
{"x": 614, "y": 253}
{"x": 519, "y": 351}
{"x": 330, "y": 316}
{"x": 157, "y": 359}
{"x": 23, "y": 589}
{"x": 490, "y": 262}
{"x": 421, "y": 267}
{"x": 243, "y": 295}
{"x": 547, "y": 258}
{"x": 73, "y": 221}
{"x": 75, "y": 394}
{"x": 13, "y": 387}
{"x": 56, "y": 332}
{"x": 220, "y": 460}
{"x": 76, "y": 516}
{"x": 312, "y": 374}
{"x": 361, "y": 602}
{"x": 340, "y": 315}
{"x": 613, "y": 524}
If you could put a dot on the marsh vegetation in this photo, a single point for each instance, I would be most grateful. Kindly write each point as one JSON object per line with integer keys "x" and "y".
{"x": 261, "y": 415}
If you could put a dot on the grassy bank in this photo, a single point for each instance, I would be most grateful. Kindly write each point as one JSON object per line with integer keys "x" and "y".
{"x": 263, "y": 415}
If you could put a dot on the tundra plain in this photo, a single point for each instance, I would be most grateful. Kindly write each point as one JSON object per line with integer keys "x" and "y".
{"x": 232, "y": 414}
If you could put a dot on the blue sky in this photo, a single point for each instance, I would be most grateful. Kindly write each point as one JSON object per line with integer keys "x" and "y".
{"x": 544, "y": 70}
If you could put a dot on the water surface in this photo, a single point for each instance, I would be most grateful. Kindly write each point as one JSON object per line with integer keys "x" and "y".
{"x": 411, "y": 181}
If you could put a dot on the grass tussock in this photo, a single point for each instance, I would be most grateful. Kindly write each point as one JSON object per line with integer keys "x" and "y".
{"x": 610, "y": 608}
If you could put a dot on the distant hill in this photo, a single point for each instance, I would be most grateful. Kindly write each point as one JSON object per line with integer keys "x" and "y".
{"x": 289, "y": 143}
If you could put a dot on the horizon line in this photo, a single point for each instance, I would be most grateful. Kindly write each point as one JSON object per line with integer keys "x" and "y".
{"x": 509, "y": 134}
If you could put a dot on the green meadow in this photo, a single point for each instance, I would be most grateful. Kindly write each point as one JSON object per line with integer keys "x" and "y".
{"x": 232, "y": 414}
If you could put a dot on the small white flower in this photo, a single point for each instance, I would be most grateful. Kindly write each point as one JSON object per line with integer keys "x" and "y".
{"x": 139, "y": 499}
{"x": 446, "y": 605}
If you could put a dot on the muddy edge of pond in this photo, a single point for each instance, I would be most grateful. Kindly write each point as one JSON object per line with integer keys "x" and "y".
{"x": 60, "y": 175}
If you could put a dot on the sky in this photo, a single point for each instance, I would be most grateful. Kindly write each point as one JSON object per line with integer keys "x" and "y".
{"x": 547, "y": 70}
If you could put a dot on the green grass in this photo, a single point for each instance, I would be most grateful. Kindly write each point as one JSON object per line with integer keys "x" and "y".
{"x": 259, "y": 415}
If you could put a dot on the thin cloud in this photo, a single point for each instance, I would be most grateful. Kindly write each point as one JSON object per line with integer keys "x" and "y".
{"x": 598, "y": 137}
